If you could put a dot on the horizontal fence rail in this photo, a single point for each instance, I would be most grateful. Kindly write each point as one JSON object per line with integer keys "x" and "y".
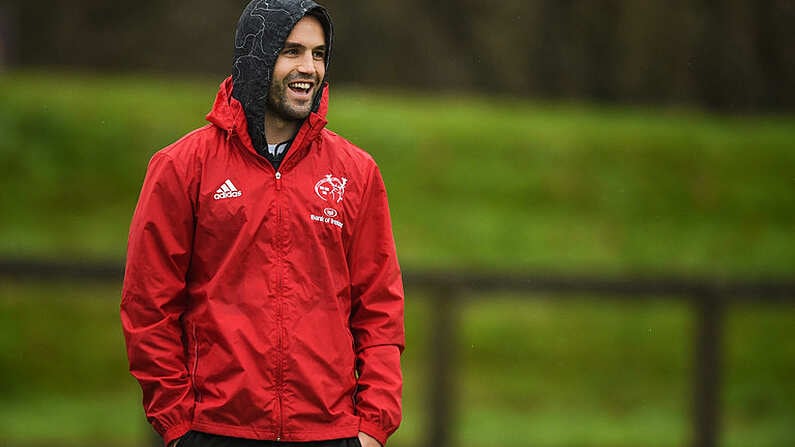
{"x": 708, "y": 296}
{"x": 636, "y": 287}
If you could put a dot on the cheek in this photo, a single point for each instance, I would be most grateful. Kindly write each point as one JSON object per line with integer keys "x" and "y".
{"x": 276, "y": 76}
{"x": 280, "y": 69}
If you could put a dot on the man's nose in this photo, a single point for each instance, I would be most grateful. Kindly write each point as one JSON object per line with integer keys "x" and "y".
{"x": 306, "y": 64}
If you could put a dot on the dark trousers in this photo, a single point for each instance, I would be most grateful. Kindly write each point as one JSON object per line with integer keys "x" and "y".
{"x": 200, "y": 439}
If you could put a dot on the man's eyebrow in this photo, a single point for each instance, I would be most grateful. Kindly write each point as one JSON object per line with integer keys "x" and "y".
{"x": 299, "y": 45}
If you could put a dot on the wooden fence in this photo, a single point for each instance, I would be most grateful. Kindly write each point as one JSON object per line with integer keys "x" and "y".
{"x": 709, "y": 298}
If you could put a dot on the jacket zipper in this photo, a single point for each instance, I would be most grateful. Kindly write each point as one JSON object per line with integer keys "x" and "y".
{"x": 280, "y": 304}
{"x": 280, "y": 315}
{"x": 196, "y": 393}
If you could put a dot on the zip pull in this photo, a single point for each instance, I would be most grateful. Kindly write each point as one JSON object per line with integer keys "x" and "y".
{"x": 229, "y": 134}
{"x": 278, "y": 181}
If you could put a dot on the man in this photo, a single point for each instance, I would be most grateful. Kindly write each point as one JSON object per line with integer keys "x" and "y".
{"x": 262, "y": 300}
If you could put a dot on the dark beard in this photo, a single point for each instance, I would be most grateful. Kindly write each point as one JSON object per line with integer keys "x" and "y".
{"x": 277, "y": 104}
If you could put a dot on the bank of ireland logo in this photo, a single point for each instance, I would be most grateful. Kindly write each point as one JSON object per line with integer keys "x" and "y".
{"x": 331, "y": 189}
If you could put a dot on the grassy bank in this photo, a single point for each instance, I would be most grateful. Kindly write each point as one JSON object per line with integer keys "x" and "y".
{"x": 473, "y": 182}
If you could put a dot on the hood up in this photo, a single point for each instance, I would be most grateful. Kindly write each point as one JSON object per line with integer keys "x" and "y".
{"x": 261, "y": 33}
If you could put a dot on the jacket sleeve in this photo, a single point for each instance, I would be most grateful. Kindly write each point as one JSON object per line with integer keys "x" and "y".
{"x": 154, "y": 297}
{"x": 376, "y": 314}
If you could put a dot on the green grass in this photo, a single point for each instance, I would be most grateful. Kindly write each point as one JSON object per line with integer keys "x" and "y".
{"x": 607, "y": 373}
{"x": 66, "y": 419}
{"x": 474, "y": 183}
{"x": 530, "y": 370}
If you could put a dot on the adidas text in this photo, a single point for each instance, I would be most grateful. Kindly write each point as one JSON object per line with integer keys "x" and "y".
{"x": 228, "y": 195}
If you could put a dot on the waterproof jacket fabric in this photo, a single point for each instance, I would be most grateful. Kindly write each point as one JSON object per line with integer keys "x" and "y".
{"x": 263, "y": 27}
{"x": 261, "y": 304}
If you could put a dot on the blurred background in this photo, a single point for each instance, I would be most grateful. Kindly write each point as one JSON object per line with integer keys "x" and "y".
{"x": 614, "y": 140}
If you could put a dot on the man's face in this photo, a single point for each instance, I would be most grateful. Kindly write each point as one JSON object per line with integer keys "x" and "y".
{"x": 299, "y": 70}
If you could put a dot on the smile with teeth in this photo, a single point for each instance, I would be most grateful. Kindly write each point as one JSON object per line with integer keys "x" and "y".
{"x": 300, "y": 87}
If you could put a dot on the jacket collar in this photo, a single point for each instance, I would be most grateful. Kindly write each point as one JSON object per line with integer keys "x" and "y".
{"x": 227, "y": 114}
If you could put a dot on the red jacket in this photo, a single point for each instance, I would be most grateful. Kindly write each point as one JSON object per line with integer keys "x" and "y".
{"x": 259, "y": 304}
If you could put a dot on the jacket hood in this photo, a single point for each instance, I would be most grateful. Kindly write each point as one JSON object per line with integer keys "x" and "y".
{"x": 260, "y": 36}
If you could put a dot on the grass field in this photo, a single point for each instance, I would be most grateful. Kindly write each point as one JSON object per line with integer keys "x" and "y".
{"x": 531, "y": 371}
{"x": 474, "y": 183}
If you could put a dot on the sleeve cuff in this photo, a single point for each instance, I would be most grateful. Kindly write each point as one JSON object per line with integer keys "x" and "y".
{"x": 175, "y": 432}
{"x": 374, "y": 430}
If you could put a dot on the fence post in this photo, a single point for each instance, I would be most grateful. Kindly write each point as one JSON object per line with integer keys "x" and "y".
{"x": 707, "y": 380}
{"x": 441, "y": 361}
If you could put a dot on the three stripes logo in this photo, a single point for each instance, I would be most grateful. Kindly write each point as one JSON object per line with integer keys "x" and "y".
{"x": 227, "y": 191}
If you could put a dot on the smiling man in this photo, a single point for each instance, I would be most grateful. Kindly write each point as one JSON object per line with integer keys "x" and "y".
{"x": 297, "y": 77}
{"x": 262, "y": 301}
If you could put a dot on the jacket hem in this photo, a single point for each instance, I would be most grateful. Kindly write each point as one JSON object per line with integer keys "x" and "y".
{"x": 374, "y": 430}
{"x": 175, "y": 432}
{"x": 268, "y": 434}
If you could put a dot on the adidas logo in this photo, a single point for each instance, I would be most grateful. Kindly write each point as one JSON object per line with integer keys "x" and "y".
{"x": 227, "y": 191}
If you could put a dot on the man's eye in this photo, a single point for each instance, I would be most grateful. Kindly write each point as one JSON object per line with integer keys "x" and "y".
{"x": 319, "y": 54}
{"x": 290, "y": 52}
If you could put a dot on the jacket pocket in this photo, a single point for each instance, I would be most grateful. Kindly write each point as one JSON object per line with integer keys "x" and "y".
{"x": 194, "y": 363}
